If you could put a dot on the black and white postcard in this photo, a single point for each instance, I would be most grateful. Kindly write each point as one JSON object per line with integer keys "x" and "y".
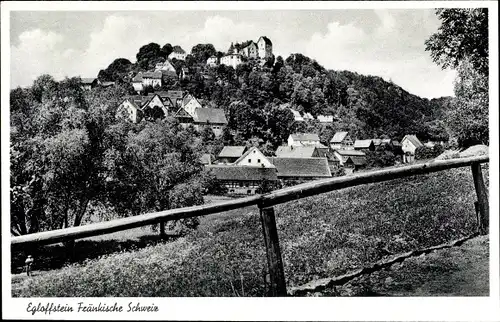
{"x": 250, "y": 160}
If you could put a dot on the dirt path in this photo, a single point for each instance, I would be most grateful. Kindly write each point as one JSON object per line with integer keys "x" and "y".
{"x": 456, "y": 271}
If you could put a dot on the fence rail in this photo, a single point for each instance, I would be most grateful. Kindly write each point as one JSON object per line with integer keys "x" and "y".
{"x": 265, "y": 203}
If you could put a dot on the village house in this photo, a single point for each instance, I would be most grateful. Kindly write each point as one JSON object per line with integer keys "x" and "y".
{"x": 143, "y": 79}
{"x": 409, "y": 144}
{"x": 213, "y": 61}
{"x": 183, "y": 118}
{"x": 232, "y": 60}
{"x": 253, "y": 158}
{"x": 230, "y": 154}
{"x": 175, "y": 97}
{"x": 137, "y": 107}
{"x": 354, "y": 163}
{"x": 364, "y": 145}
{"x": 212, "y": 117}
{"x": 342, "y": 155}
{"x": 137, "y": 83}
{"x": 151, "y": 79}
{"x": 377, "y": 142}
{"x": 190, "y": 104}
{"x": 166, "y": 67}
{"x": 286, "y": 151}
{"x": 89, "y": 83}
{"x": 300, "y": 139}
{"x": 292, "y": 169}
{"x": 243, "y": 180}
{"x": 341, "y": 140}
{"x": 130, "y": 109}
{"x": 155, "y": 107}
{"x": 325, "y": 119}
{"x": 296, "y": 116}
{"x": 178, "y": 53}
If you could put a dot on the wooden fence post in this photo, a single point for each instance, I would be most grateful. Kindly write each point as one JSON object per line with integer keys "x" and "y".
{"x": 482, "y": 198}
{"x": 162, "y": 229}
{"x": 274, "y": 261}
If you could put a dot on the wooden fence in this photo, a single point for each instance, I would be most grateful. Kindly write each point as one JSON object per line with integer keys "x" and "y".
{"x": 265, "y": 203}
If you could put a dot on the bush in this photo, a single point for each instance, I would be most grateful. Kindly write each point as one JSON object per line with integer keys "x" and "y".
{"x": 380, "y": 158}
{"x": 425, "y": 152}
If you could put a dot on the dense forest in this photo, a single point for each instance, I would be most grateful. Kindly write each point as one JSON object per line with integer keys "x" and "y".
{"x": 254, "y": 96}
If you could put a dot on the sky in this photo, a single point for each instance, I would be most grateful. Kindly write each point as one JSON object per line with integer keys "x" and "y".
{"x": 386, "y": 43}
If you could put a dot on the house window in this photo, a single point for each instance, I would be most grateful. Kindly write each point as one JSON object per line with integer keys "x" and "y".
{"x": 258, "y": 160}
{"x": 249, "y": 160}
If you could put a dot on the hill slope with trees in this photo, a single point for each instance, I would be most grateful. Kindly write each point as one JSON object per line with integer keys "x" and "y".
{"x": 254, "y": 96}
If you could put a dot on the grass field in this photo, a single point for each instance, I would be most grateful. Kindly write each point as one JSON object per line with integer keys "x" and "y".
{"x": 320, "y": 236}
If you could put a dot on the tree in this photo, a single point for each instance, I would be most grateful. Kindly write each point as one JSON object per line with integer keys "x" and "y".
{"x": 462, "y": 43}
{"x": 157, "y": 169}
{"x": 202, "y": 52}
{"x": 207, "y": 134}
{"x": 147, "y": 53}
{"x": 468, "y": 119}
{"x": 57, "y": 161}
{"x": 166, "y": 50}
{"x": 116, "y": 71}
{"x": 463, "y": 34}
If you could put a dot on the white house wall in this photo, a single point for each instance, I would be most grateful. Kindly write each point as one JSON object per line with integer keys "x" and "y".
{"x": 255, "y": 159}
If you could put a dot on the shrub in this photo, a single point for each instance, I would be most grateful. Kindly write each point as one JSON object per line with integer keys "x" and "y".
{"x": 425, "y": 152}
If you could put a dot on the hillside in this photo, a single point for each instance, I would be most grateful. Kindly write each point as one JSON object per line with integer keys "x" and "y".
{"x": 320, "y": 236}
{"x": 253, "y": 95}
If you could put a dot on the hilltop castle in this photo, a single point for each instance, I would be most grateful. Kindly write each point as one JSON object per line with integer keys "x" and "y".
{"x": 262, "y": 49}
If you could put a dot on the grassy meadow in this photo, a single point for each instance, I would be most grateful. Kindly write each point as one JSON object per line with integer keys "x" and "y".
{"x": 320, "y": 236}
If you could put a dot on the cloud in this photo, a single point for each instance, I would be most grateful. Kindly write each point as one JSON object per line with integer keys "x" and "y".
{"x": 38, "y": 52}
{"x": 390, "y": 51}
{"x": 221, "y": 31}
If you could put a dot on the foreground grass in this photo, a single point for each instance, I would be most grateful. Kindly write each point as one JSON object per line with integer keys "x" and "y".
{"x": 320, "y": 236}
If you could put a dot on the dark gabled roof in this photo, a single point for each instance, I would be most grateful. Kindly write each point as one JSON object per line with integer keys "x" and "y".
{"x": 181, "y": 113}
{"x": 267, "y": 40}
{"x": 88, "y": 80}
{"x": 295, "y": 151}
{"x": 210, "y": 115}
{"x": 232, "y": 151}
{"x": 137, "y": 78}
{"x": 339, "y": 137}
{"x": 414, "y": 140}
{"x": 350, "y": 152}
{"x": 154, "y": 75}
{"x": 305, "y": 137}
{"x": 356, "y": 160}
{"x": 301, "y": 167}
{"x": 178, "y": 49}
{"x": 362, "y": 144}
{"x": 241, "y": 173}
{"x": 247, "y": 152}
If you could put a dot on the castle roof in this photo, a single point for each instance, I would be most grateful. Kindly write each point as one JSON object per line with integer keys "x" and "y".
{"x": 266, "y": 40}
